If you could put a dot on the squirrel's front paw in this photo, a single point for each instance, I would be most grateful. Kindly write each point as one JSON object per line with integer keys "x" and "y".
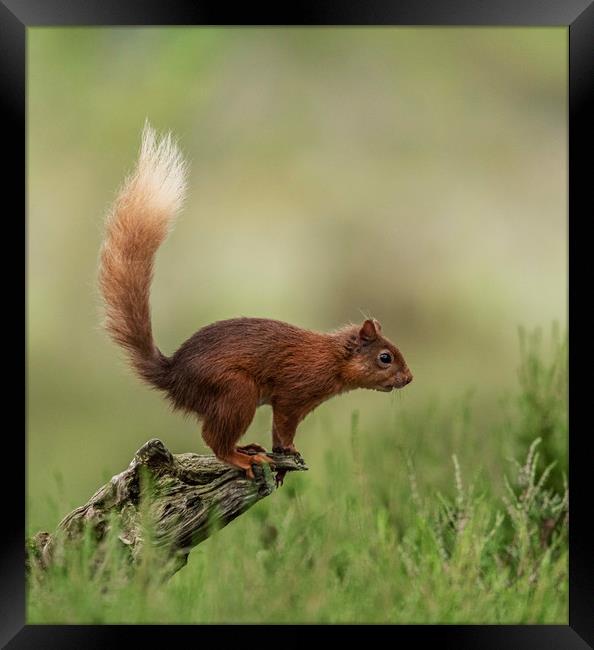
{"x": 288, "y": 451}
{"x": 280, "y": 477}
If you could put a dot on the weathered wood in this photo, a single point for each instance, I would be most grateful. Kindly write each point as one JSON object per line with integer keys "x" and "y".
{"x": 185, "y": 497}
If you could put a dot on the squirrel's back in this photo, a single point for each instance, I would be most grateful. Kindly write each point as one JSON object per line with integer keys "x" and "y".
{"x": 273, "y": 355}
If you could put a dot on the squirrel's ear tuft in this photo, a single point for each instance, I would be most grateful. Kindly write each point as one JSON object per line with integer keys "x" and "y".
{"x": 369, "y": 330}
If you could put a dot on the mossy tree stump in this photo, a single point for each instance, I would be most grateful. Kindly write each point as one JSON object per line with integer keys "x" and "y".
{"x": 185, "y": 497}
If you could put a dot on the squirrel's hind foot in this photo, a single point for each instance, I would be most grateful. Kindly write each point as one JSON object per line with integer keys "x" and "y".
{"x": 243, "y": 460}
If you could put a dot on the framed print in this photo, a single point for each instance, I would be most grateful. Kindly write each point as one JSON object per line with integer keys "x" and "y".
{"x": 297, "y": 321}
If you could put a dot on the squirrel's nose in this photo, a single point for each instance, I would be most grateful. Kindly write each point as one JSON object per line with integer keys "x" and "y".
{"x": 403, "y": 378}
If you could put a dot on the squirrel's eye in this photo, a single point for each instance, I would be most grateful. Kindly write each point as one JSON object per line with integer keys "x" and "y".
{"x": 385, "y": 358}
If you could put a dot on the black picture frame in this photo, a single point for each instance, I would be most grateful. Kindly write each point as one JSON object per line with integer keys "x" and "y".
{"x": 578, "y": 15}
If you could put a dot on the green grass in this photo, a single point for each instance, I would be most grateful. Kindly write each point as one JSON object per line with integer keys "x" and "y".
{"x": 380, "y": 530}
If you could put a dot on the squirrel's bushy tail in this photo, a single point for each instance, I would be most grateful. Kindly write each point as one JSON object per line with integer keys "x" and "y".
{"x": 136, "y": 226}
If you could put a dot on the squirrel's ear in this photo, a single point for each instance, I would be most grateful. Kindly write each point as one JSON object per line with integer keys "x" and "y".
{"x": 369, "y": 330}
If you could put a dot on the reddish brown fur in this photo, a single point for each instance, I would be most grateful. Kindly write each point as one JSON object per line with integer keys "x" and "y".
{"x": 224, "y": 371}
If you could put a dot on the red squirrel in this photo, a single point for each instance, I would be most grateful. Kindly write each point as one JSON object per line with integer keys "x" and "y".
{"x": 224, "y": 371}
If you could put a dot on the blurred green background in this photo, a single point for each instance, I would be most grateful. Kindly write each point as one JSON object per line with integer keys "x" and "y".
{"x": 415, "y": 174}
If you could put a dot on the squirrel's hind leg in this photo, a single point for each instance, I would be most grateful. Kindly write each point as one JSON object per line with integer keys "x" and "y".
{"x": 227, "y": 419}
